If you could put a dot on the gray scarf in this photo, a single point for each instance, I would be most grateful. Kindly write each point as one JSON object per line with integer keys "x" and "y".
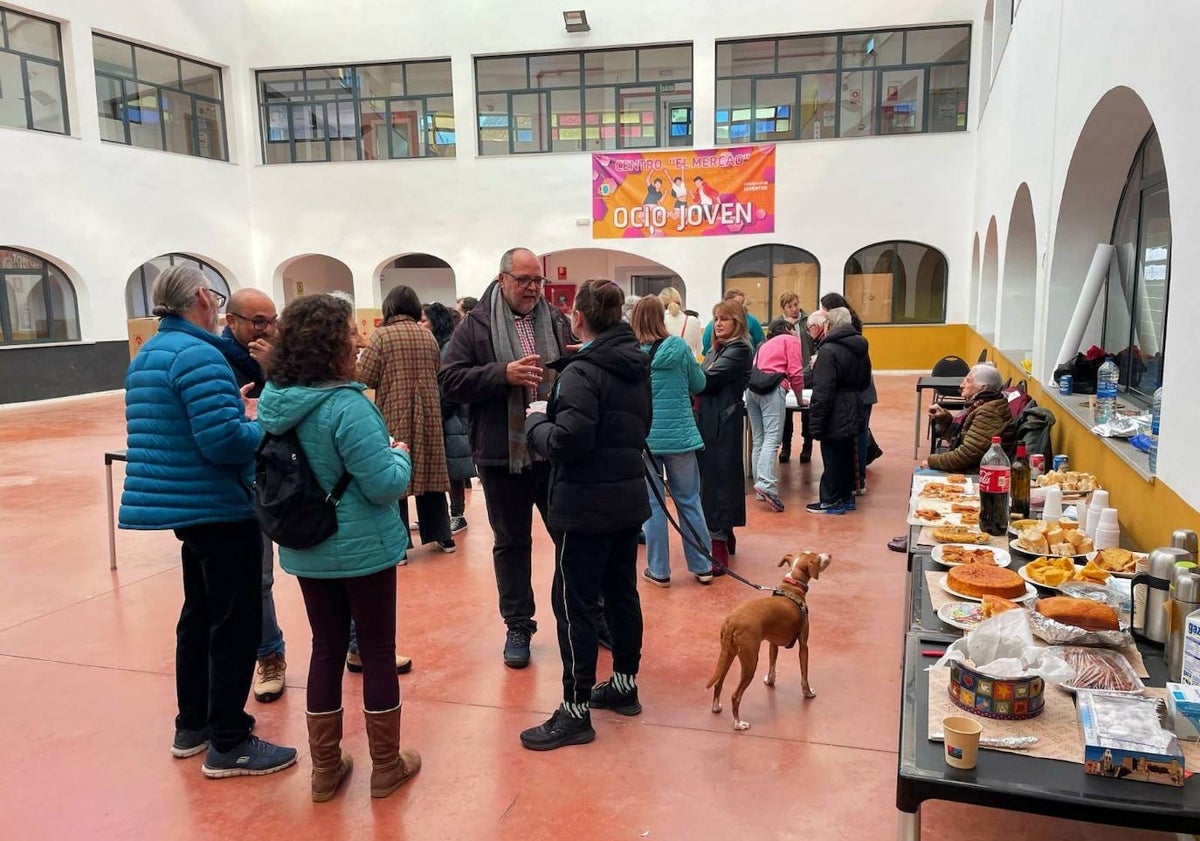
{"x": 506, "y": 344}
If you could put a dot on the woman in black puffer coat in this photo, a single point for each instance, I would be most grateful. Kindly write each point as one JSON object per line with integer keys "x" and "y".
{"x": 456, "y": 430}
{"x": 841, "y": 372}
{"x": 594, "y": 432}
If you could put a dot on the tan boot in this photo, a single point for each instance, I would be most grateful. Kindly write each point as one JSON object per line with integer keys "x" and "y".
{"x": 354, "y": 663}
{"x": 330, "y": 764}
{"x": 390, "y": 766}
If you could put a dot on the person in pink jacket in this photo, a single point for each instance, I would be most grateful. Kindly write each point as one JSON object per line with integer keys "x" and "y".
{"x": 780, "y": 359}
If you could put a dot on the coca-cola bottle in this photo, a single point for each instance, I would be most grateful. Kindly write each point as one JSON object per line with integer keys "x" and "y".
{"x": 1019, "y": 494}
{"x": 995, "y": 478}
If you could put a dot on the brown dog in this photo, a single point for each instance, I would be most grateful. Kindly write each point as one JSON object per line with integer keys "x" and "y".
{"x": 781, "y": 619}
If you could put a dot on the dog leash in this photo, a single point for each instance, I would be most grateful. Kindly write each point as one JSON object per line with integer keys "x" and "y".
{"x": 695, "y": 541}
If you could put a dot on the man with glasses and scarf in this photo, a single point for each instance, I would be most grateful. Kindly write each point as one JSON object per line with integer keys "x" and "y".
{"x": 495, "y": 362}
{"x": 246, "y": 342}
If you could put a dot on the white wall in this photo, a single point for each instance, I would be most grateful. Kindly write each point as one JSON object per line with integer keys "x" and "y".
{"x": 429, "y": 284}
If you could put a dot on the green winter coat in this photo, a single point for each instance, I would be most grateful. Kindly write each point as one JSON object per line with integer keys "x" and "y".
{"x": 340, "y": 429}
{"x": 675, "y": 376}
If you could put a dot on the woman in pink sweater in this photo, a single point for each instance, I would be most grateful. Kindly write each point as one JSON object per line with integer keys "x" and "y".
{"x": 780, "y": 356}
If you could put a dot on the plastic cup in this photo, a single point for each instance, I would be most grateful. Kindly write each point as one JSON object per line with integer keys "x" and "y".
{"x": 961, "y": 736}
{"x": 1108, "y": 518}
{"x": 1052, "y": 509}
{"x": 1107, "y": 537}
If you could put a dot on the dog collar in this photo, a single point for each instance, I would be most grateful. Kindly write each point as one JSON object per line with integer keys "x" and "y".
{"x": 787, "y": 579}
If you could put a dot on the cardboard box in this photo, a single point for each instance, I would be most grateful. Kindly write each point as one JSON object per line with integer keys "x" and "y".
{"x": 1144, "y": 753}
{"x": 140, "y": 331}
{"x": 1183, "y": 706}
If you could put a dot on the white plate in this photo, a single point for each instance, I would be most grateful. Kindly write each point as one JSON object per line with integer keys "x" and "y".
{"x": 1030, "y": 592}
{"x": 1013, "y": 545}
{"x": 1001, "y": 557}
{"x": 1138, "y": 556}
{"x": 962, "y": 615}
{"x": 1021, "y": 572}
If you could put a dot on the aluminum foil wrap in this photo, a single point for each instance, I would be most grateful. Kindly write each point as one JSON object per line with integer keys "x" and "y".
{"x": 1009, "y": 742}
{"x": 1056, "y": 633}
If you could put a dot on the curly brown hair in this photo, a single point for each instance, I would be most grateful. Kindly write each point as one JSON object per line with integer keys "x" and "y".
{"x": 313, "y": 342}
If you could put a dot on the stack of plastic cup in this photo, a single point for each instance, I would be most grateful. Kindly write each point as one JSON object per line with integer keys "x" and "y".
{"x": 1092, "y": 520}
{"x": 1052, "y": 510}
{"x": 1108, "y": 531}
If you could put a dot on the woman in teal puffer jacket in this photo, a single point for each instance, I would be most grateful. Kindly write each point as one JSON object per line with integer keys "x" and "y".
{"x": 675, "y": 376}
{"x": 310, "y": 388}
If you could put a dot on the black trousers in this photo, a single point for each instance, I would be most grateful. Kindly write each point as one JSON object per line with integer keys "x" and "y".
{"x": 458, "y": 497}
{"x": 789, "y": 430}
{"x": 587, "y": 567}
{"x": 330, "y": 603}
{"x": 220, "y": 626}
{"x": 837, "y": 479}
{"x": 510, "y": 500}
{"x": 433, "y": 518}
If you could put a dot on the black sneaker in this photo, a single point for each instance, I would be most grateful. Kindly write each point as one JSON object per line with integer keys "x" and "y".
{"x": 448, "y": 546}
{"x": 189, "y": 743}
{"x": 516, "y": 648}
{"x": 252, "y": 757}
{"x": 560, "y": 730}
{"x": 606, "y": 697}
{"x": 457, "y": 524}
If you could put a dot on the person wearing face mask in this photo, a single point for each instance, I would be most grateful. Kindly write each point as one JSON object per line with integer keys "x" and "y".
{"x": 593, "y": 432}
{"x": 719, "y": 416}
{"x": 496, "y": 363}
{"x": 970, "y": 432}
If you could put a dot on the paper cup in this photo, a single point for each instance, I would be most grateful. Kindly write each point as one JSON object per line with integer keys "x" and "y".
{"x": 961, "y": 740}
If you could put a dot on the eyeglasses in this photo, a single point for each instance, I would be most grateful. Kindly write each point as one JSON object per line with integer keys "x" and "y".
{"x": 260, "y": 322}
{"x": 221, "y": 299}
{"x": 527, "y": 280}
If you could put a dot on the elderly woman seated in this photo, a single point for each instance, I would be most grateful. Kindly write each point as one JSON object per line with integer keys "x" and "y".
{"x": 970, "y": 432}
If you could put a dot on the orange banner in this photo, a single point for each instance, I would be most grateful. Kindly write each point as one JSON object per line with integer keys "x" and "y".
{"x": 704, "y": 192}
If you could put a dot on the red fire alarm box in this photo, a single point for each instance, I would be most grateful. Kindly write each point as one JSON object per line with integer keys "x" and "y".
{"x": 561, "y": 295}
{"x": 562, "y": 272}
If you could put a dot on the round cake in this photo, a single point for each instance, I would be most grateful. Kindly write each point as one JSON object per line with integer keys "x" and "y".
{"x": 981, "y": 580}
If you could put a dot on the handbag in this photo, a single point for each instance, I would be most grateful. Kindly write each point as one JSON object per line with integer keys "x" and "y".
{"x": 762, "y": 382}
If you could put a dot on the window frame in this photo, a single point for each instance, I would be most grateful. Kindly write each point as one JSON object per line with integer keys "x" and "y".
{"x": 895, "y": 248}
{"x": 1136, "y": 179}
{"x": 134, "y": 81}
{"x": 773, "y": 309}
{"x": 839, "y": 70}
{"x": 145, "y": 290}
{"x": 663, "y": 122}
{"x": 308, "y": 97}
{"x": 25, "y": 58}
{"x": 6, "y": 317}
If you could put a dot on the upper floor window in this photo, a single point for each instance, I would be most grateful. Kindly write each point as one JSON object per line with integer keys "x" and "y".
{"x": 357, "y": 113}
{"x": 848, "y": 84}
{"x": 584, "y": 102}
{"x": 1135, "y": 305}
{"x": 897, "y": 282}
{"x": 139, "y": 288}
{"x": 157, "y": 100}
{"x": 37, "y": 301}
{"x": 766, "y": 272}
{"x": 31, "y": 73}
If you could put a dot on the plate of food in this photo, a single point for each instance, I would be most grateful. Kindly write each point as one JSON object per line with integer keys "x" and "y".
{"x": 1073, "y": 483}
{"x": 1052, "y": 572}
{"x": 1099, "y": 669}
{"x": 966, "y": 616}
{"x": 953, "y": 554}
{"x": 1057, "y": 538}
{"x": 1116, "y": 561}
{"x": 974, "y": 581}
{"x": 944, "y": 491}
{"x": 960, "y": 534}
{"x": 1017, "y": 526}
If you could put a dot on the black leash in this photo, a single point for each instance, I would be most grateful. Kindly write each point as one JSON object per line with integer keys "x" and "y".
{"x": 695, "y": 541}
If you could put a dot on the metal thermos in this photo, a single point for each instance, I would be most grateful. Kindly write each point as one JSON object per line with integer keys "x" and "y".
{"x": 1185, "y": 598}
{"x": 1153, "y": 625}
{"x": 1186, "y": 539}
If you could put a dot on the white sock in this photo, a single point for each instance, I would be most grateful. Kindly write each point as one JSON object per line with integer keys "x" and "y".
{"x": 575, "y": 710}
{"x": 623, "y": 683}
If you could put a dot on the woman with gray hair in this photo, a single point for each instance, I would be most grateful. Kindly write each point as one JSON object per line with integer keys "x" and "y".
{"x": 970, "y": 432}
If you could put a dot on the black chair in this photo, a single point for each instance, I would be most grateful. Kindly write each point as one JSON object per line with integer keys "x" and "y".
{"x": 948, "y": 398}
{"x": 983, "y": 356}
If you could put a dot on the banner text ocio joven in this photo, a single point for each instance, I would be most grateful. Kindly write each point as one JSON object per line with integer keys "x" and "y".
{"x": 701, "y": 192}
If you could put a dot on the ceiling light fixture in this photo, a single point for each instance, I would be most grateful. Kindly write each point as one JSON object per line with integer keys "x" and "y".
{"x": 576, "y": 21}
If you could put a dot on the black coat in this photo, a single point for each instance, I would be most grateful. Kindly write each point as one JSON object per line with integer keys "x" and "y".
{"x": 471, "y": 375}
{"x": 594, "y": 433}
{"x": 719, "y": 417}
{"x": 841, "y": 372}
{"x": 456, "y": 431}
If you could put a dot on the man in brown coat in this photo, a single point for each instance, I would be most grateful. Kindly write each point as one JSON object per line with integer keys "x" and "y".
{"x": 970, "y": 432}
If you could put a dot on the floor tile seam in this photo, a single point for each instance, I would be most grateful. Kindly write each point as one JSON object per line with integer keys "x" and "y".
{"x": 93, "y": 597}
{"x": 73, "y": 664}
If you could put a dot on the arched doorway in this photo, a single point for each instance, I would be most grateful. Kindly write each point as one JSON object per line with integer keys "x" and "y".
{"x": 988, "y": 283}
{"x": 897, "y": 282}
{"x": 310, "y": 274}
{"x": 432, "y": 278}
{"x": 1014, "y": 331}
{"x": 139, "y": 288}
{"x": 635, "y": 274}
{"x": 973, "y": 304}
{"x": 764, "y": 272}
{"x": 37, "y": 300}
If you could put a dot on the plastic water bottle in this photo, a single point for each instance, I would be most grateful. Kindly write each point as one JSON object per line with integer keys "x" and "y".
{"x": 1106, "y": 391}
{"x": 1154, "y": 421}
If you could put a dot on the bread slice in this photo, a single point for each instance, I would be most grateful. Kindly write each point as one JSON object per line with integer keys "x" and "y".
{"x": 994, "y": 604}
{"x": 1082, "y": 613}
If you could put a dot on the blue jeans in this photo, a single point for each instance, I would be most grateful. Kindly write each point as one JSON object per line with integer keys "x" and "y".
{"x": 683, "y": 474}
{"x": 766, "y": 413}
{"x": 271, "y": 641}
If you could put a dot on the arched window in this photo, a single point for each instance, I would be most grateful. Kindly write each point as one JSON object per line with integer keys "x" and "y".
{"x": 764, "y": 272}
{"x": 139, "y": 289}
{"x": 37, "y": 303}
{"x": 897, "y": 282}
{"x": 1135, "y": 307}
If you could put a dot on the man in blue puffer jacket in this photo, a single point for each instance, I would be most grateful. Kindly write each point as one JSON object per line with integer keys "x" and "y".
{"x": 191, "y": 469}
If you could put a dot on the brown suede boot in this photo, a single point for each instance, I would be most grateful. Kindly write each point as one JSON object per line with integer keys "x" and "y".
{"x": 330, "y": 765}
{"x": 390, "y": 766}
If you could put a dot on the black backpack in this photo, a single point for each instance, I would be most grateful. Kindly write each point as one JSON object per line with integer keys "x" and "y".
{"x": 292, "y": 507}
